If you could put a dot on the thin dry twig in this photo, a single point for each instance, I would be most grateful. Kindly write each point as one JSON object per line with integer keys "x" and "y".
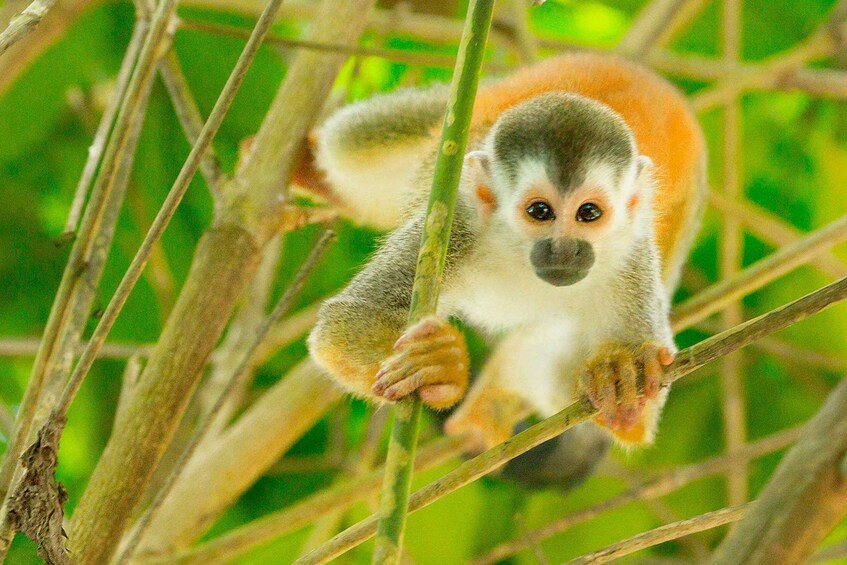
{"x": 757, "y": 275}
{"x": 104, "y": 128}
{"x": 239, "y": 541}
{"x": 773, "y": 229}
{"x": 686, "y": 362}
{"x": 244, "y": 369}
{"x": 731, "y": 251}
{"x": 807, "y": 489}
{"x": 51, "y": 29}
{"x": 24, "y": 23}
{"x": 80, "y": 279}
{"x": 664, "y": 484}
{"x": 663, "y": 534}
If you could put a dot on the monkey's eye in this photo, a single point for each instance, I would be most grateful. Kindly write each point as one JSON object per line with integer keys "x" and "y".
{"x": 541, "y": 211}
{"x": 588, "y": 212}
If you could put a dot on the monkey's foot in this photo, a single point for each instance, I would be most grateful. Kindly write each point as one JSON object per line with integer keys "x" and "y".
{"x": 610, "y": 381}
{"x": 430, "y": 358}
{"x": 487, "y": 417}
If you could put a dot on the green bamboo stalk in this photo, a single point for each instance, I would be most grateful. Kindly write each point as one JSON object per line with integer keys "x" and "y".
{"x": 394, "y": 500}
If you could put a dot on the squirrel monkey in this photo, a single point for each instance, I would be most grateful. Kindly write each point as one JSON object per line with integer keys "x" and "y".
{"x": 579, "y": 199}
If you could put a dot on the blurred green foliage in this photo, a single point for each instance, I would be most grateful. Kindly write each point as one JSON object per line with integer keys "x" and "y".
{"x": 795, "y": 159}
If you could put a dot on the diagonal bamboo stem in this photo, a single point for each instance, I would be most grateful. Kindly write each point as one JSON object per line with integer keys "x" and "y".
{"x": 243, "y": 539}
{"x": 243, "y": 370}
{"x": 24, "y": 23}
{"x": 662, "y": 485}
{"x": 804, "y": 499}
{"x": 663, "y": 534}
{"x": 757, "y": 275}
{"x": 774, "y": 230}
{"x": 80, "y": 279}
{"x": 687, "y": 361}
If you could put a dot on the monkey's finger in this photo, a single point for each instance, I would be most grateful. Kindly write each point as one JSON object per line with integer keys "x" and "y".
{"x": 666, "y": 355}
{"x": 410, "y": 384}
{"x": 628, "y": 402}
{"x": 590, "y": 390}
{"x": 427, "y": 326}
{"x": 427, "y": 343}
{"x": 393, "y": 370}
{"x": 441, "y": 396}
{"x": 604, "y": 383}
{"x": 652, "y": 375}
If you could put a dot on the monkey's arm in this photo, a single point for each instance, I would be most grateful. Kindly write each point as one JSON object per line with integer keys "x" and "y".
{"x": 360, "y": 340}
{"x": 636, "y": 350}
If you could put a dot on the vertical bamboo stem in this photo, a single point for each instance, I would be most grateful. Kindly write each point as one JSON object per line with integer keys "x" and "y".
{"x": 394, "y": 500}
{"x": 732, "y": 247}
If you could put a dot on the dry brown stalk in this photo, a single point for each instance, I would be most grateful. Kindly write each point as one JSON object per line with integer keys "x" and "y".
{"x": 237, "y": 380}
{"x": 239, "y": 541}
{"x": 51, "y": 29}
{"x": 665, "y": 483}
{"x": 24, "y": 23}
{"x": 731, "y": 251}
{"x": 98, "y": 145}
{"x": 7, "y": 420}
{"x": 28, "y": 347}
{"x": 663, "y": 534}
{"x": 655, "y": 23}
{"x": 686, "y": 362}
{"x": 773, "y": 229}
{"x": 225, "y": 259}
{"x": 768, "y": 73}
{"x": 80, "y": 279}
{"x": 804, "y": 498}
{"x": 757, "y": 275}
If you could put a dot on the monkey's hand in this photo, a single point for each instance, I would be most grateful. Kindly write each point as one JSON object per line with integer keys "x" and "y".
{"x": 610, "y": 380}
{"x": 431, "y": 358}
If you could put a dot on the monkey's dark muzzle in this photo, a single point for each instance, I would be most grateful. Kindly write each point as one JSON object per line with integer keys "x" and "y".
{"x": 562, "y": 262}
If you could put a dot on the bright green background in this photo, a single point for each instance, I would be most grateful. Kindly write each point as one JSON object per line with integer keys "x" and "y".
{"x": 795, "y": 160}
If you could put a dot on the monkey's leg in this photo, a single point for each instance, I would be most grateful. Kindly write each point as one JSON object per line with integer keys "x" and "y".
{"x": 496, "y": 408}
{"x": 610, "y": 380}
{"x": 517, "y": 380}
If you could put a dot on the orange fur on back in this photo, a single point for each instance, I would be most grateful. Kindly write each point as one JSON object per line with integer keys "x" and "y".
{"x": 664, "y": 127}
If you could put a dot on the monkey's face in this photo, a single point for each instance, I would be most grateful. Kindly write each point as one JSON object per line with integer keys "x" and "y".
{"x": 566, "y": 231}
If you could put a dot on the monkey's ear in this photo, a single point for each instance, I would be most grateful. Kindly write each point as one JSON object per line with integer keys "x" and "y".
{"x": 644, "y": 183}
{"x": 476, "y": 181}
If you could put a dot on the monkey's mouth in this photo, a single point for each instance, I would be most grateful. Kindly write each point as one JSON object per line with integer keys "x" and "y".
{"x": 561, "y": 276}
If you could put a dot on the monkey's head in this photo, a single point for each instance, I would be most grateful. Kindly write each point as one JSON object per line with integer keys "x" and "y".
{"x": 561, "y": 175}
